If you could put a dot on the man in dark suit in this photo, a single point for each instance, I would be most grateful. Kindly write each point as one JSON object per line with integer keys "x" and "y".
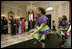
{"x": 13, "y": 26}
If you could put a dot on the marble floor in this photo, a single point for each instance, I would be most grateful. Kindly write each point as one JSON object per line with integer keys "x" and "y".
{"x": 7, "y": 39}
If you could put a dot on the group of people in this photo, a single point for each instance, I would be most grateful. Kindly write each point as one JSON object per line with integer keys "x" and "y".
{"x": 18, "y": 26}
{"x": 22, "y": 26}
{"x": 40, "y": 25}
{"x": 41, "y": 28}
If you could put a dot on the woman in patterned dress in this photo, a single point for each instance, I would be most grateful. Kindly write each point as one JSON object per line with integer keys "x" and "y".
{"x": 63, "y": 26}
{"x": 42, "y": 29}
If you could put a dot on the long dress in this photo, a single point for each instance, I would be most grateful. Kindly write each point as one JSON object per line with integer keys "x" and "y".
{"x": 19, "y": 28}
{"x": 41, "y": 35}
{"x": 9, "y": 26}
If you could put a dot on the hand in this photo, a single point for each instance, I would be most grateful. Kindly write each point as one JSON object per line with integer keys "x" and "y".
{"x": 68, "y": 33}
{"x": 32, "y": 34}
{"x": 14, "y": 24}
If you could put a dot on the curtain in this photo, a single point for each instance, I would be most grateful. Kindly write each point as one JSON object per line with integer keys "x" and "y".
{"x": 70, "y": 11}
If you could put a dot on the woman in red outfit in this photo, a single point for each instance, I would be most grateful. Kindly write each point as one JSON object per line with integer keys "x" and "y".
{"x": 23, "y": 24}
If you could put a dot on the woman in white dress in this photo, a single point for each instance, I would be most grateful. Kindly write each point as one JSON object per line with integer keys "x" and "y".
{"x": 9, "y": 26}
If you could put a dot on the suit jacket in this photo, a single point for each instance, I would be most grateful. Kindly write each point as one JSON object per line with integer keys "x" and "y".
{"x": 13, "y": 22}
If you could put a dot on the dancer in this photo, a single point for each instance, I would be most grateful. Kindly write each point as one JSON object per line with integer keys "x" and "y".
{"x": 41, "y": 30}
{"x": 58, "y": 30}
{"x": 63, "y": 26}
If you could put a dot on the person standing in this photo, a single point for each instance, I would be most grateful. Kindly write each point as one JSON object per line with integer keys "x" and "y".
{"x": 9, "y": 26}
{"x": 4, "y": 26}
{"x": 1, "y": 25}
{"x": 54, "y": 28}
{"x": 63, "y": 26}
{"x": 22, "y": 26}
{"x": 13, "y": 26}
{"x": 33, "y": 24}
{"x": 26, "y": 25}
{"x": 19, "y": 26}
{"x": 16, "y": 26}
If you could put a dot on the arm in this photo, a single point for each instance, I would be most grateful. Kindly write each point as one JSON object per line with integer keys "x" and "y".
{"x": 68, "y": 32}
{"x": 69, "y": 28}
{"x": 35, "y": 23}
{"x": 66, "y": 25}
{"x": 41, "y": 26}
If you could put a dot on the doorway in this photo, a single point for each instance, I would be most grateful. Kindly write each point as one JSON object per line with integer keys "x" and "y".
{"x": 49, "y": 22}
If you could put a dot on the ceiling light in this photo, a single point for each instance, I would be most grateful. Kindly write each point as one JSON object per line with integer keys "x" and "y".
{"x": 49, "y": 8}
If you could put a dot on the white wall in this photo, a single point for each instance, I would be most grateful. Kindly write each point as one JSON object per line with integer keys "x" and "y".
{"x": 7, "y": 6}
{"x": 60, "y": 8}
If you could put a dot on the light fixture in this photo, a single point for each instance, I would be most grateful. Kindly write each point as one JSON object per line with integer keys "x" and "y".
{"x": 17, "y": 17}
{"x": 2, "y": 15}
{"x": 49, "y": 8}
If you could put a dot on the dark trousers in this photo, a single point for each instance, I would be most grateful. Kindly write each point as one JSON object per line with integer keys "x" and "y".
{"x": 4, "y": 31}
{"x": 28, "y": 27}
{"x": 13, "y": 30}
{"x": 54, "y": 28}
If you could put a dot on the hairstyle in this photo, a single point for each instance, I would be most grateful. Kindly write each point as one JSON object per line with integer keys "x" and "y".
{"x": 42, "y": 10}
{"x": 3, "y": 17}
{"x": 53, "y": 21}
{"x": 11, "y": 17}
{"x": 64, "y": 17}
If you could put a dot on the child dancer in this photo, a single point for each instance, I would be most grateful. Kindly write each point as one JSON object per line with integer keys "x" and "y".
{"x": 63, "y": 26}
{"x": 41, "y": 28}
